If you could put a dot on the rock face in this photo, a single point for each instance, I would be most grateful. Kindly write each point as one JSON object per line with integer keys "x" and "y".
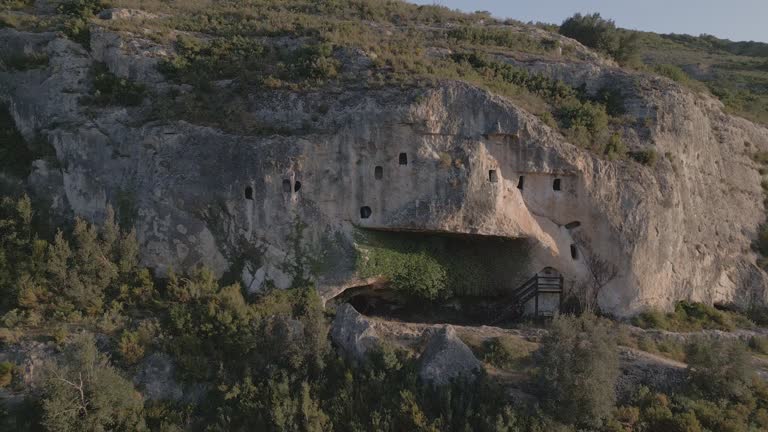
{"x": 446, "y": 357}
{"x": 155, "y": 378}
{"x": 444, "y": 159}
{"x": 354, "y": 334}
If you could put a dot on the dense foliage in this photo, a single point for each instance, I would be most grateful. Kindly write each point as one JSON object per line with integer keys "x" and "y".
{"x": 437, "y": 267}
{"x": 578, "y": 366}
{"x": 602, "y": 34}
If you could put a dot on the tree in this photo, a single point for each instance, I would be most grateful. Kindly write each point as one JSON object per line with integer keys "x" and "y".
{"x": 720, "y": 368}
{"x": 578, "y": 369}
{"x": 601, "y": 34}
{"x": 601, "y": 273}
{"x": 591, "y": 30}
{"x": 83, "y": 392}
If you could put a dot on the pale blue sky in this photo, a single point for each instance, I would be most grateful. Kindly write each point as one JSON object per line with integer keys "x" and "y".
{"x": 730, "y": 19}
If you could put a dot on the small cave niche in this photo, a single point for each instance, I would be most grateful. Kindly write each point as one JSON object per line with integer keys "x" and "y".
{"x": 249, "y": 193}
{"x": 365, "y": 212}
{"x": 378, "y": 173}
{"x": 296, "y": 186}
{"x": 493, "y": 176}
{"x": 557, "y": 184}
{"x": 574, "y": 252}
{"x": 403, "y": 159}
{"x": 521, "y": 182}
{"x": 287, "y": 186}
{"x": 572, "y": 225}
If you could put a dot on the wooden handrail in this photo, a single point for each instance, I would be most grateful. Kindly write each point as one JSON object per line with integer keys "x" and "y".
{"x": 530, "y": 289}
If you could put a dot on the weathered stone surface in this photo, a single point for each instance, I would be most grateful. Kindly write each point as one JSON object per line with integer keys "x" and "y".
{"x": 446, "y": 357}
{"x": 679, "y": 230}
{"x": 29, "y": 358}
{"x": 353, "y": 333}
{"x": 155, "y": 379}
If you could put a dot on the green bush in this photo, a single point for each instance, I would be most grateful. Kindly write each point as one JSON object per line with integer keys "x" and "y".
{"x": 692, "y": 317}
{"x": 77, "y": 13}
{"x": 601, "y": 34}
{"x": 130, "y": 347}
{"x": 646, "y": 157}
{"x": 615, "y": 149}
{"x": 759, "y": 344}
{"x": 83, "y": 392}
{"x": 578, "y": 367}
{"x": 672, "y": 72}
{"x": 506, "y": 352}
{"x": 497, "y": 36}
{"x": 109, "y": 89}
{"x": 720, "y": 368}
{"x": 421, "y": 275}
{"x": 6, "y": 374}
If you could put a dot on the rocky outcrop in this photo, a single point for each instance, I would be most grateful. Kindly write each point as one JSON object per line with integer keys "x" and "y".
{"x": 155, "y": 379}
{"x": 443, "y": 159}
{"x": 354, "y": 334}
{"x": 447, "y": 358}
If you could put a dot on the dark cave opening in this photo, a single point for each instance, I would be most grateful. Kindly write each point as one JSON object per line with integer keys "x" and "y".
{"x": 378, "y": 173}
{"x": 437, "y": 277}
{"x": 403, "y": 159}
{"x": 249, "y": 193}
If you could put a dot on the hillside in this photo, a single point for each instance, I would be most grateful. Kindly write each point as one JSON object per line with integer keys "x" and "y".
{"x": 264, "y": 215}
{"x": 736, "y": 72}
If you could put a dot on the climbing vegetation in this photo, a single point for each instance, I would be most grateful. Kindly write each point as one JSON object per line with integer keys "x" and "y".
{"x": 437, "y": 266}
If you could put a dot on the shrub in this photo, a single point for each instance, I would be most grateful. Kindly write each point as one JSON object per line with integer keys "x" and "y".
{"x": 109, "y": 89}
{"x": 130, "y": 347}
{"x": 672, "y": 72}
{"x": 692, "y": 317}
{"x": 579, "y": 366}
{"x": 496, "y": 36}
{"x": 505, "y": 352}
{"x": 591, "y": 30}
{"x": 615, "y": 149}
{"x": 421, "y": 275}
{"x": 83, "y": 392}
{"x": 646, "y": 157}
{"x": 6, "y": 374}
{"x": 77, "y": 13}
{"x": 759, "y": 344}
{"x": 719, "y": 368}
{"x": 589, "y": 115}
{"x": 601, "y": 34}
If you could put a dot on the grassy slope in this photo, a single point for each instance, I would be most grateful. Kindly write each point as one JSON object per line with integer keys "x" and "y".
{"x": 736, "y": 72}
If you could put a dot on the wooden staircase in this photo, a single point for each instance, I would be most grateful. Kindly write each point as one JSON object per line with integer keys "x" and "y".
{"x": 530, "y": 290}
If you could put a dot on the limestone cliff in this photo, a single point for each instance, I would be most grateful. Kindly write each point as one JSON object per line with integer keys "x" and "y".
{"x": 445, "y": 158}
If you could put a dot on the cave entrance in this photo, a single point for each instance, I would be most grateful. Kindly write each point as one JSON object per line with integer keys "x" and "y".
{"x": 437, "y": 277}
